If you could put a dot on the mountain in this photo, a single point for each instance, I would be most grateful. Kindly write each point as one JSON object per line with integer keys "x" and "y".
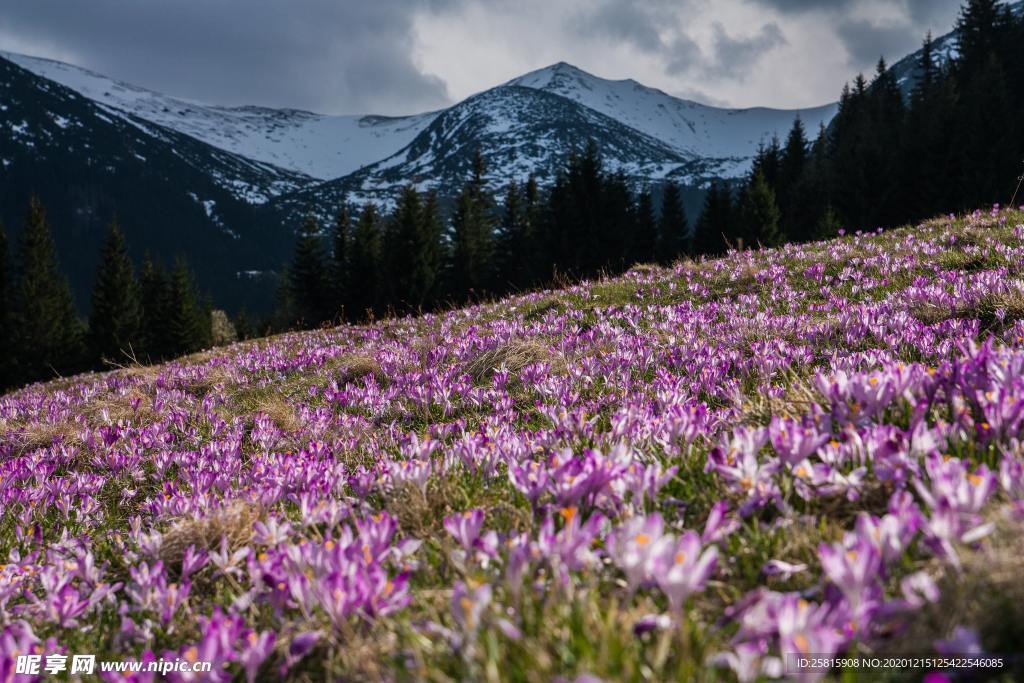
{"x": 312, "y": 146}
{"x": 724, "y": 137}
{"x": 519, "y": 130}
{"x": 172, "y": 193}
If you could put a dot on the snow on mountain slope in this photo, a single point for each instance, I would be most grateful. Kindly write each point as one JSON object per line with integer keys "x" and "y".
{"x": 692, "y": 129}
{"x": 316, "y": 145}
{"x": 520, "y": 132}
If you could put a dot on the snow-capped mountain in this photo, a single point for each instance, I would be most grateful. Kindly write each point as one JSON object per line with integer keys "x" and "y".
{"x": 172, "y": 194}
{"x": 692, "y": 129}
{"x": 321, "y": 147}
{"x": 314, "y": 145}
{"x": 520, "y": 131}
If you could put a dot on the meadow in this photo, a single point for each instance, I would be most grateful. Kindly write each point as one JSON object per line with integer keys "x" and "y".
{"x": 683, "y": 473}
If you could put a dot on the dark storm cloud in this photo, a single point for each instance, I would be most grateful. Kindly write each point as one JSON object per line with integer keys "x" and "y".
{"x": 919, "y": 11}
{"x": 866, "y": 41}
{"x": 654, "y": 27}
{"x": 633, "y": 23}
{"x": 795, "y": 6}
{"x": 733, "y": 55}
{"x": 325, "y": 55}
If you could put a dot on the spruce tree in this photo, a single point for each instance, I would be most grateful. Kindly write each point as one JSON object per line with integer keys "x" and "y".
{"x": 531, "y": 253}
{"x": 397, "y": 252}
{"x": 472, "y": 236}
{"x": 511, "y": 241}
{"x": 645, "y": 232}
{"x": 850, "y": 157}
{"x": 924, "y": 153}
{"x": 365, "y": 264}
{"x": 412, "y": 251}
{"x": 614, "y": 223}
{"x": 715, "y": 224}
{"x": 673, "y": 230}
{"x": 48, "y": 334}
{"x": 430, "y": 258}
{"x": 188, "y": 323}
{"x": 790, "y": 191}
{"x": 986, "y": 131}
{"x": 340, "y": 238}
{"x": 758, "y": 219}
{"x": 154, "y": 299}
{"x": 115, "y": 318}
{"x": 885, "y": 104}
{"x": 309, "y": 277}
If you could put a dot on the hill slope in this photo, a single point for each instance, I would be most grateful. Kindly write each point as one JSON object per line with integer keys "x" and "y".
{"x": 173, "y": 194}
{"x": 810, "y": 449}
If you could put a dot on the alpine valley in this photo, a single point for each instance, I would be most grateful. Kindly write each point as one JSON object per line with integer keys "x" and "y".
{"x": 225, "y": 187}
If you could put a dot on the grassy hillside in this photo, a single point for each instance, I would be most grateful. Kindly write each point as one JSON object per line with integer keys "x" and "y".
{"x": 679, "y": 474}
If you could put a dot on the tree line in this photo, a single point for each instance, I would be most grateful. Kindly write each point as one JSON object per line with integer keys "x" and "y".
{"x": 153, "y": 316}
{"x": 954, "y": 144}
{"x": 372, "y": 264}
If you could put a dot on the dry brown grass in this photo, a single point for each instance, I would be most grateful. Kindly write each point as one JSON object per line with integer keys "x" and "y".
{"x": 119, "y": 407}
{"x": 26, "y": 438}
{"x": 759, "y": 407}
{"x": 351, "y": 367}
{"x": 513, "y": 355}
{"x": 1009, "y": 302}
{"x": 234, "y": 521}
{"x": 277, "y": 408}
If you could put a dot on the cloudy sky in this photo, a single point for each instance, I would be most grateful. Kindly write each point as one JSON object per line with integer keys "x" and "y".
{"x": 405, "y": 56}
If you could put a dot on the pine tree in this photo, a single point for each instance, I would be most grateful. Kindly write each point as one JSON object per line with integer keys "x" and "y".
{"x": 115, "y": 317}
{"x": 48, "y": 334}
{"x": 188, "y": 322}
{"x": 154, "y": 298}
{"x": 412, "y": 251}
{"x": 791, "y": 191}
{"x": 511, "y": 241}
{"x": 768, "y": 162}
{"x": 399, "y": 251}
{"x": 986, "y": 130}
{"x": 982, "y": 30}
{"x": 586, "y": 178}
{"x": 923, "y": 154}
{"x": 472, "y": 236}
{"x": 758, "y": 214}
{"x": 615, "y": 220}
{"x": 886, "y": 114}
{"x": 673, "y": 230}
{"x": 715, "y": 223}
{"x": 340, "y": 237}
{"x": 532, "y": 256}
{"x": 365, "y": 264}
{"x": 645, "y": 233}
{"x": 309, "y": 277}
{"x": 431, "y": 257}
{"x": 6, "y": 324}
{"x": 850, "y": 158}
